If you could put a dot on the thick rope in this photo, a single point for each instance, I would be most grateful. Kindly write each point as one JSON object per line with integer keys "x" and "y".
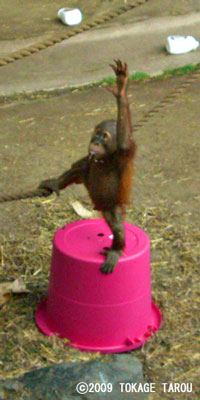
{"x": 73, "y": 32}
{"x": 169, "y": 99}
{"x": 25, "y": 195}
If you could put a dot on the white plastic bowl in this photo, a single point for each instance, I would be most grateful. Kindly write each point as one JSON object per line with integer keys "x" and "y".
{"x": 181, "y": 44}
{"x": 70, "y": 16}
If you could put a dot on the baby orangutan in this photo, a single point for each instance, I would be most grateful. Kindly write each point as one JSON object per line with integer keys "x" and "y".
{"x": 107, "y": 170}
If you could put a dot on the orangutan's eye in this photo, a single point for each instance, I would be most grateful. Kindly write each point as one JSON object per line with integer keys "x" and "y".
{"x": 105, "y": 136}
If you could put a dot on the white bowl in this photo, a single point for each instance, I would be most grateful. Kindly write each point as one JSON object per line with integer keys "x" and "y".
{"x": 181, "y": 44}
{"x": 70, "y": 16}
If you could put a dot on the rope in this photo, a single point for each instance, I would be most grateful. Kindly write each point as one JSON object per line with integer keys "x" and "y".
{"x": 73, "y": 32}
{"x": 169, "y": 99}
{"x": 25, "y": 195}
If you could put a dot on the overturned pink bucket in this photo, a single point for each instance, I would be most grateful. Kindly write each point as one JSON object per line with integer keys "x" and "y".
{"x": 94, "y": 311}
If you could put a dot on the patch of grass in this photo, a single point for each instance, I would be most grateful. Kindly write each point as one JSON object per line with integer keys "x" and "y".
{"x": 141, "y": 76}
{"x": 106, "y": 81}
{"x": 187, "y": 69}
{"x": 138, "y": 76}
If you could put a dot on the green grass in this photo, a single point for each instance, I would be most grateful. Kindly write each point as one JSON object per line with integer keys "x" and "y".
{"x": 138, "y": 76}
{"x": 180, "y": 71}
{"x": 141, "y": 76}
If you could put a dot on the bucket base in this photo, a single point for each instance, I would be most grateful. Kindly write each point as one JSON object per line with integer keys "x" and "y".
{"x": 154, "y": 325}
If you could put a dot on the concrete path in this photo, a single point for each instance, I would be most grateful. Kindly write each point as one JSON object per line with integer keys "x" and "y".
{"x": 84, "y": 59}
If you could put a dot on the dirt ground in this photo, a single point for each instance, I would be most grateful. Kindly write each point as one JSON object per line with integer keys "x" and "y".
{"x": 44, "y": 135}
{"x": 20, "y": 19}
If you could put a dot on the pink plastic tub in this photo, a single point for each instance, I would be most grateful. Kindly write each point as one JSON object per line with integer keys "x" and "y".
{"x": 98, "y": 312}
